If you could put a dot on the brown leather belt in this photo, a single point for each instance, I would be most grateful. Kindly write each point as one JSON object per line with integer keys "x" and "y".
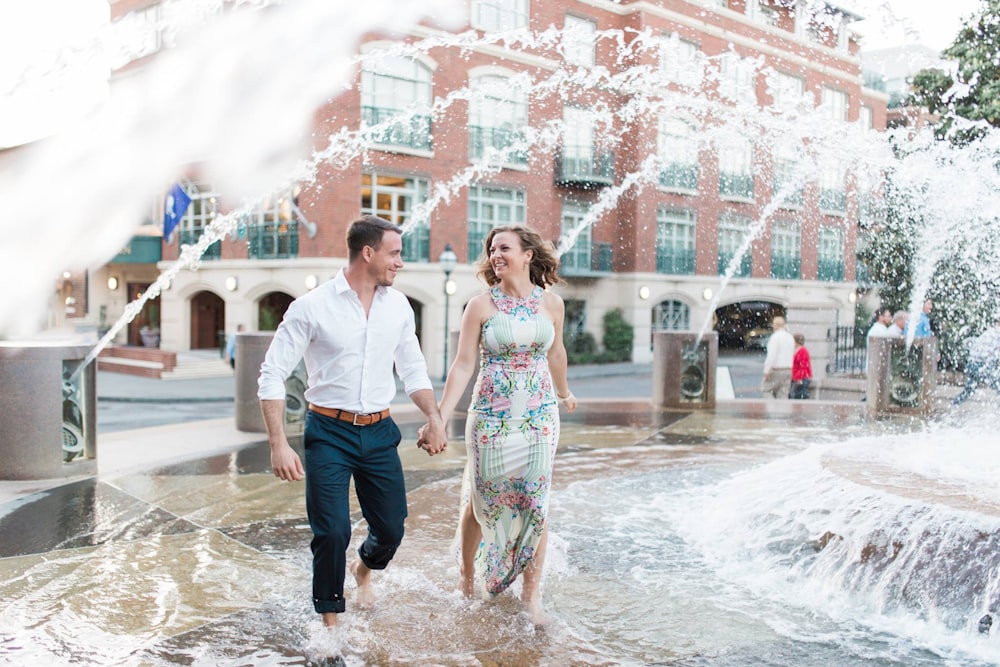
{"x": 351, "y": 417}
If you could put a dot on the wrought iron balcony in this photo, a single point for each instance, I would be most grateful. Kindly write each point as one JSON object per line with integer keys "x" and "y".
{"x": 680, "y": 176}
{"x": 411, "y": 130}
{"x": 583, "y": 166}
{"x": 786, "y": 267}
{"x": 273, "y": 240}
{"x": 577, "y": 264}
{"x": 501, "y": 139}
{"x": 675, "y": 261}
{"x": 742, "y": 271}
{"x": 831, "y": 270}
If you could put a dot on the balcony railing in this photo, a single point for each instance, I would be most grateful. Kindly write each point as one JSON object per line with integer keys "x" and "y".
{"x": 273, "y": 240}
{"x": 579, "y": 264}
{"x": 675, "y": 261}
{"x": 742, "y": 271}
{"x": 680, "y": 176}
{"x": 832, "y": 200}
{"x": 582, "y": 165}
{"x": 784, "y": 267}
{"x": 417, "y": 244}
{"x": 736, "y": 185}
{"x": 831, "y": 270}
{"x": 191, "y": 236}
{"x": 413, "y": 131}
{"x": 480, "y": 138}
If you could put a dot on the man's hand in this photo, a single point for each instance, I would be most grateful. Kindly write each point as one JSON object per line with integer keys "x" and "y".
{"x": 285, "y": 463}
{"x": 431, "y": 437}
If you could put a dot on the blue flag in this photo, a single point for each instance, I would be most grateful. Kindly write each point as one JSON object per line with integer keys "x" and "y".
{"x": 174, "y": 206}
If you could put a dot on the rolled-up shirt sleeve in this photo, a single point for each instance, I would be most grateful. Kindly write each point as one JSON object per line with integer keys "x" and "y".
{"x": 284, "y": 353}
{"x": 410, "y": 364}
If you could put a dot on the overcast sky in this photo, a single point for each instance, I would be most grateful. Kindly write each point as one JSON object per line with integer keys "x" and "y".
{"x": 933, "y": 23}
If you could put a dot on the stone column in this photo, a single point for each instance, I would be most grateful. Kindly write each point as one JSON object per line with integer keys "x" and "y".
{"x": 684, "y": 369}
{"x": 901, "y": 377}
{"x": 49, "y": 424}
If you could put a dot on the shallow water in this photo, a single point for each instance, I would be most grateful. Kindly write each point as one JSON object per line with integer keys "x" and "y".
{"x": 680, "y": 539}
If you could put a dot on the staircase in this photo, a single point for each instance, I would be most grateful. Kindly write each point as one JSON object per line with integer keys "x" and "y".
{"x": 155, "y": 363}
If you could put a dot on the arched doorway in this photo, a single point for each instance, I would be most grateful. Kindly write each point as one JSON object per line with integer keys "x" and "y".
{"x": 208, "y": 317}
{"x": 746, "y": 325}
{"x": 271, "y": 309}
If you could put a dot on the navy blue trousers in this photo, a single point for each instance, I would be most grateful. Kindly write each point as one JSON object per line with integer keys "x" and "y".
{"x": 335, "y": 451}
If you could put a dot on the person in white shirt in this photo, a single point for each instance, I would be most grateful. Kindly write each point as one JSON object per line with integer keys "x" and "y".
{"x": 880, "y": 327}
{"x": 898, "y": 325}
{"x": 350, "y": 331}
{"x": 778, "y": 363}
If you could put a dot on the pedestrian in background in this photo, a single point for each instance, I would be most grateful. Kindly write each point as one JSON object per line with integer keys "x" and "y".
{"x": 801, "y": 369}
{"x": 778, "y": 363}
{"x": 231, "y": 347}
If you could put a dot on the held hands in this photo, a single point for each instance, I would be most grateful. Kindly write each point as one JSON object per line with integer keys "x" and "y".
{"x": 431, "y": 437}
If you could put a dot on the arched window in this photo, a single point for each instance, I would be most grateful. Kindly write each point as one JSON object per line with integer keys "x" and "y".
{"x": 671, "y": 315}
{"x": 498, "y": 114}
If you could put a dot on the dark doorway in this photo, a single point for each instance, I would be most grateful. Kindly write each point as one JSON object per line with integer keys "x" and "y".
{"x": 208, "y": 316}
{"x": 271, "y": 309}
{"x": 746, "y": 325}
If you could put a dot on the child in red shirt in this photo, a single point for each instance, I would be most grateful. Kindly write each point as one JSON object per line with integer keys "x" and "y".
{"x": 801, "y": 369}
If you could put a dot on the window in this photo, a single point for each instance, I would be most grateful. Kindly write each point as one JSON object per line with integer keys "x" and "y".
{"x": 786, "y": 250}
{"x": 675, "y": 241}
{"x": 678, "y": 152}
{"x": 787, "y": 183}
{"x": 396, "y": 94}
{"x": 762, "y": 11}
{"x": 737, "y": 78}
{"x": 733, "y": 231}
{"x": 499, "y": 15}
{"x": 579, "y": 41}
{"x": 498, "y": 114}
{"x": 141, "y": 32}
{"x": 273, "y": 228}
{"x": 833, "y": 187}
{"x": 575, "y": 321}
{"x": 736, "y": 170}
{"x": 491, "y": 207}
{"x": 580, "y": 159}
{"x": 393, "y": 198}
{"x": 835, "y": 103}
{"x": 199, "y": 215}
{"x": 671, "y": 316}
{"x": 866, "y": 117}
{"x": 831, "y": 254}
{"x": 787, "y": 91}
{"x": 681, "y": 62}
{"x": 579, "y": 256}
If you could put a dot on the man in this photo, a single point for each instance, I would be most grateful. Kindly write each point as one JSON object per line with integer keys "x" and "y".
{"x": 778, "y": 363}
{"x": 898, "y": 325}
{"x": 350, "y": 331}
{"x": 880, "y": 327}
{"x": 231, "y": 347}
{"x": 923, "y": 328}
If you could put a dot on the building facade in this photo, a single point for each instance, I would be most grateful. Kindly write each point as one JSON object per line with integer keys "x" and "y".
{"x": 617, "y": 129}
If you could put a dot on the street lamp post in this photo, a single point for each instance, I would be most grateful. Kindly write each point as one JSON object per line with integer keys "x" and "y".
{"x": 447, "y": 260}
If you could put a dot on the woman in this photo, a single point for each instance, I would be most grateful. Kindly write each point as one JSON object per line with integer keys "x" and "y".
{"x": 514, "y": 330}
{"x": 801, "y": 369}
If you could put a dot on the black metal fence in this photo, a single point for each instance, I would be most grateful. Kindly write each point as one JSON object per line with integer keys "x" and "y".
{"x": 850, "y": 352}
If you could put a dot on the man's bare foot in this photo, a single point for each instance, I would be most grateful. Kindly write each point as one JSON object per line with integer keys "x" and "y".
{"x": 365, "y": 598}
{"x": 533, "y": 607}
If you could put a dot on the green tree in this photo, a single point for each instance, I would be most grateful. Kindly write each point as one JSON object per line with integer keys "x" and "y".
{"x": 974, "y": 92}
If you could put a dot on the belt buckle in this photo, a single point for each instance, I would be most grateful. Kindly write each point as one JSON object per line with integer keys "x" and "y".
{"x": 354, "y": 422}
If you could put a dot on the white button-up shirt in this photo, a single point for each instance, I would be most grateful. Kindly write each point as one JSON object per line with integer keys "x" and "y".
{"x": 349, "y": 357}
{"x": 780, "y": 351}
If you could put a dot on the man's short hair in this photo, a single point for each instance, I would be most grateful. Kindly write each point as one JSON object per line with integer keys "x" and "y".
{"x": 900, "y": 315}
{"x": 778, "y": 322}
{"x": 367, "y": 231}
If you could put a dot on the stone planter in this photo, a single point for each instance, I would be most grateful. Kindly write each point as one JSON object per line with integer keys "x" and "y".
{"x": 149, "y": 337}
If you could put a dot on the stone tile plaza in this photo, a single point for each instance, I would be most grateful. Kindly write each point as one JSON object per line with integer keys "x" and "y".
{"x": 718, "y": 179}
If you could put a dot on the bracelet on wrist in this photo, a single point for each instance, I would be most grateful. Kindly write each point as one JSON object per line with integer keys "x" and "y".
{"x": 566, "y": 397}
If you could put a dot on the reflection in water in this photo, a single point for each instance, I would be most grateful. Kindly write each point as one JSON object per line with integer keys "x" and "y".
{"x": 754, "y": 537}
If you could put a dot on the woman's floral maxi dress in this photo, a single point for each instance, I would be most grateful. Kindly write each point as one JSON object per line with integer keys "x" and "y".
{"x": 512, "y": 432}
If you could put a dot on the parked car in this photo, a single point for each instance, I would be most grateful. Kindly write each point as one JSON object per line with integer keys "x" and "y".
{"x": 756, "y": 338}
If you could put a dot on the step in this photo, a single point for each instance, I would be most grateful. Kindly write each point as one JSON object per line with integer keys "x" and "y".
{"x": 198, "y": 369}
{"x": 125, "y": 366}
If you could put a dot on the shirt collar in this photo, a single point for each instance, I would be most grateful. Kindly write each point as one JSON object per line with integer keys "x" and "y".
{"x": 341, "y": 285}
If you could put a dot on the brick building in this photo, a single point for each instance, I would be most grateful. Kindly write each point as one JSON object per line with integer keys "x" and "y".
{"x": 619, "y": 129}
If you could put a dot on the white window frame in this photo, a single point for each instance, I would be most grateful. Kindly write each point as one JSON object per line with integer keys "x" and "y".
{"x": 579, "y": 41}
{"x": 500, "y": 15}
{"x": 397, "y": 86}
{"x": 671, "y": 315}
{"x": 403, "y": 198}
{"x": 681, "y": 61}
{"x": 677, "y": 148}
{"x": 675, "y": 231}
{"x": 866, "y": 116}
{"x": 733, "y": 232}
{"x": 736, "y": 159}
{"x": 761, "y": 12}
{"x": 580, "y": 256}
{"x": 498, "y": 105}
{"x": 787, "y": 90}
{"x": 786, "y": 242}
{"x": 737, "y": 78}
{"x": 836, "y": 103}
